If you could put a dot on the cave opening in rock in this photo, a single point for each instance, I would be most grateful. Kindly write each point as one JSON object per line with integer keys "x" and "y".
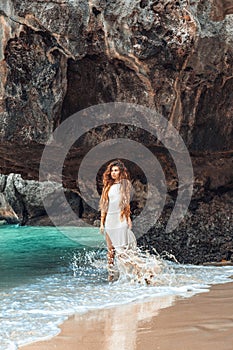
{"x": 89, "y": 82}
{"x": 97, "y": 79}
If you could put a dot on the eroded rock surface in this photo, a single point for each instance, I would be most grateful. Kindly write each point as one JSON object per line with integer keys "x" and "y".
{"x": 66, "y": 55}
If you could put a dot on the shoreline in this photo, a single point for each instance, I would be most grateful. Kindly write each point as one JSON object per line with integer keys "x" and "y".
{"x": 203, "y": 321}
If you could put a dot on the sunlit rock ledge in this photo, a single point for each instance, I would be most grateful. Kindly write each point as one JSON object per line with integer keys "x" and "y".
{"x": 7, "y": 214}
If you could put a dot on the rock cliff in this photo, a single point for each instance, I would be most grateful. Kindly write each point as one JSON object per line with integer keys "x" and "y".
{"x": 58, "y": 57}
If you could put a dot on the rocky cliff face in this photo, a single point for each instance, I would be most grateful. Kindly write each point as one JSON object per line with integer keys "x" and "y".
{"x": 61, "y": 56}
{"x": 58, "y": 57}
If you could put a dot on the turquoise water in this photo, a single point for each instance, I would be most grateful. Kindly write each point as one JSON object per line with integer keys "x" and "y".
{"x": 28, "y": 252}
{"x": 47, "y": 275}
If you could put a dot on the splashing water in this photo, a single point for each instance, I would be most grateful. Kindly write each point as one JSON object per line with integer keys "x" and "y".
{"x": 45, "y": 277}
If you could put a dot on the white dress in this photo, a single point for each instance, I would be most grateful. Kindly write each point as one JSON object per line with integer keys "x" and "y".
{"x": 118, "y": 231}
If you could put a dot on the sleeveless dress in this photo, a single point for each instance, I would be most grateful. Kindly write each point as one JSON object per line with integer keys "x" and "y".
{"x": 118, "y": 231}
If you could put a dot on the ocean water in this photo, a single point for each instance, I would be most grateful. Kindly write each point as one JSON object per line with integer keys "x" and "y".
{"x": 47, "y": 274}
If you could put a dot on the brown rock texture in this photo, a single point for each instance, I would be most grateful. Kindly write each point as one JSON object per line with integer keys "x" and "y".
{"x": 59, "y": 57}
{"x": 221, "y": 8}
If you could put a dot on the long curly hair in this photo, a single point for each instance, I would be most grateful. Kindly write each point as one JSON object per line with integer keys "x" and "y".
{"x": 125, "y": 187}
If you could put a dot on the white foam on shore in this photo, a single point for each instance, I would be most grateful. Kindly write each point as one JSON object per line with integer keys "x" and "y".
{"x": 32, "y": 312}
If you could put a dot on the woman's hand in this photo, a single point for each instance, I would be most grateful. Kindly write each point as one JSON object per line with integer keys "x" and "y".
{"x": 102, "y": 220}
{"x": 102, "y": 229}
{"x": 129, "y": 221}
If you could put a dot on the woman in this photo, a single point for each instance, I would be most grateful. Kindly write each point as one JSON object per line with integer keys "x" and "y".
{"x": 115, "y": 210}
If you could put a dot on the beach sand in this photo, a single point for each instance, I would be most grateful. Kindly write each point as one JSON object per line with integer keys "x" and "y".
{"x": 202, "y": 322}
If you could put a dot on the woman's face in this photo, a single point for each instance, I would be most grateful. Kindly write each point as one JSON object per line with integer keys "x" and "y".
{"x": 115, "y": 173}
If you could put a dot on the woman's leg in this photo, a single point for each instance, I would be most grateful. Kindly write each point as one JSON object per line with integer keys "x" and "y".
{"x": 111, "y": 250}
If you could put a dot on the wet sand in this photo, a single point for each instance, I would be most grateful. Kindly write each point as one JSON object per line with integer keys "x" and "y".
{"x": 202, "y": 322}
